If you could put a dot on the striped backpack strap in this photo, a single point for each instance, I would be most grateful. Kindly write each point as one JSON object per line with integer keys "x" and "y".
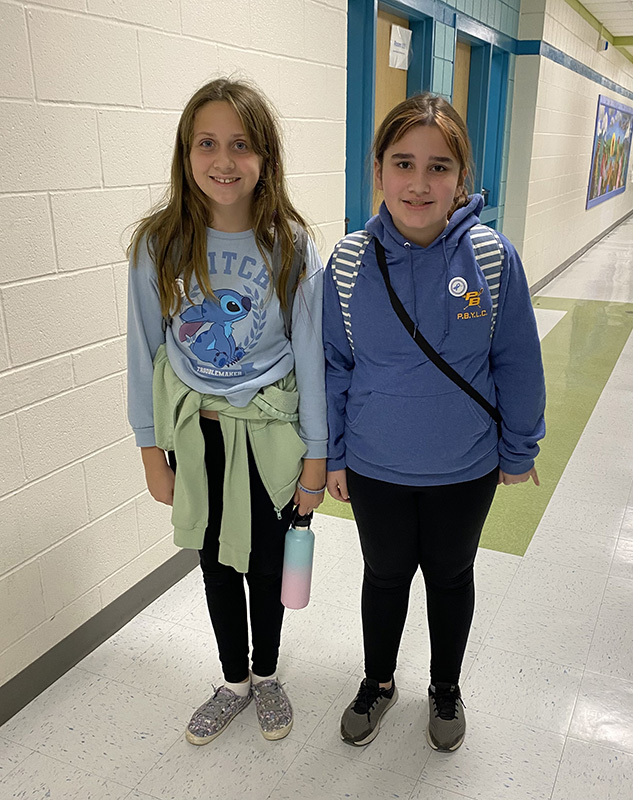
{"x": 489, "y": 252}
{"x": 346, "y": 261}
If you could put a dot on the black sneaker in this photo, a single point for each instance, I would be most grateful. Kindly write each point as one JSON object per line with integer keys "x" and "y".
{"x": 360, "y": 722}
{"x": 447, "y": 723}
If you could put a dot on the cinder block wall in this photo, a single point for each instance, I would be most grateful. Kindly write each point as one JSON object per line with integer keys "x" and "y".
{"x": 551, "y": 141}
{"x": 90, "y": 92}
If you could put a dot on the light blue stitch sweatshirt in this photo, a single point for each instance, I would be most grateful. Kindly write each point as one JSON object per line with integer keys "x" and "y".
{"x": 233, "y": 347}
{"x": 392, "y": 414}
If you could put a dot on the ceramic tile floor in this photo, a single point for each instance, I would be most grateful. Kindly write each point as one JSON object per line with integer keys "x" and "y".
{"x": 548, "y": 674}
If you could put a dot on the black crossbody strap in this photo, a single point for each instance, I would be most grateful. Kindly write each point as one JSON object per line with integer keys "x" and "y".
{"x": 423, "y": 344}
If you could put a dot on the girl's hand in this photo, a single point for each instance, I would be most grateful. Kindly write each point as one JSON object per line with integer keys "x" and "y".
{"x": 508, "y": 480}
{"x": 337, "y": 485}
{"x": 159, "y": 476}
{"x": 312, "y": 477}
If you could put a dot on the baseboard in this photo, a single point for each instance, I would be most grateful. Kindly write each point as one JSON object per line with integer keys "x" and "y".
{"x": 540, "y": 284}
{"x": 31, "y": 681}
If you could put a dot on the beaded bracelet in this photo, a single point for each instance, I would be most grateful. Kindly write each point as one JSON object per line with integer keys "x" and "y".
{"x": 310, "y": 491}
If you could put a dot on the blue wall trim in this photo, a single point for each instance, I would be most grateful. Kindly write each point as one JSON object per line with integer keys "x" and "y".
{"x": 554, "y": 54}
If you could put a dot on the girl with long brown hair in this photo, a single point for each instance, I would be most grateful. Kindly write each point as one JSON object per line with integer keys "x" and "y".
{"x": 226, "y": 380}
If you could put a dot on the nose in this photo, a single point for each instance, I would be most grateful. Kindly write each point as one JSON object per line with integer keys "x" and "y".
{"x": 246, "y": 302}
{"x": 419, "y": 183}
{"x": 223, "y": 159}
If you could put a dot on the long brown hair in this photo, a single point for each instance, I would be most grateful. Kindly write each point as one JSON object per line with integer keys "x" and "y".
{"x": 429, "y": 109}
{"x": 176, "y": 233}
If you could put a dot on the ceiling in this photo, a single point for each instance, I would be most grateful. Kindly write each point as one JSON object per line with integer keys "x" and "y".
{"x": 617, "y": 18}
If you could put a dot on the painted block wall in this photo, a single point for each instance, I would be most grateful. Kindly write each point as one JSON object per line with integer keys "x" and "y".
{"x": 552, "y": 138}
{"x": 89, "y": 97}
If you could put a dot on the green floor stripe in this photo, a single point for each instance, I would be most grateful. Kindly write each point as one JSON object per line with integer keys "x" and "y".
{"x": 579, "y": 354}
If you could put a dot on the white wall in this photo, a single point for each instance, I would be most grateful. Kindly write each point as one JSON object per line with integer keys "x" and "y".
{"x": 553, "y": 119}
{"x": 89, "y": 98}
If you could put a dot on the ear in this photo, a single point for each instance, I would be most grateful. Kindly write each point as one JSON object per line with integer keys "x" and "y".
{"x": 378, "y": 174}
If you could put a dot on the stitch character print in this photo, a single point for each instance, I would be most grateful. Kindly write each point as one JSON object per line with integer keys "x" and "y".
{"x": 215, "y": 344}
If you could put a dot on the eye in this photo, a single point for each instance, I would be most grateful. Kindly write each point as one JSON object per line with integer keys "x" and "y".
{"x": 232, "y": 306}
{"x": 206, "y": 144}
{"x": 404, "y": 165}
{"x": 241, "y": 146}
{"x": 438, "y": 168}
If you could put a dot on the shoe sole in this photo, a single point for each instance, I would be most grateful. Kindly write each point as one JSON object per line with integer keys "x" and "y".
{"x": 201, "y": 740}
{"x": 437, "y": 747}
{"x": 273, "y": 736}
{"x": 376, "y": 730}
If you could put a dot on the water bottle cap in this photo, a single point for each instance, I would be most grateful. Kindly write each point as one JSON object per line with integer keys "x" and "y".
{"x": 300, "y": 520}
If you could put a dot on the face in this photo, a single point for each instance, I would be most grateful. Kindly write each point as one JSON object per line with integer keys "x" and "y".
{"x": 224, "y": 165}
{"x": 419, "y": 177}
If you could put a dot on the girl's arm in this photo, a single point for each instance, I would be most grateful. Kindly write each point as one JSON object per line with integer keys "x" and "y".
{"x": 159, "y": 476}
{"x": 339, "y": 364}
{"x": 144, "y": 336}
{"x": 517, "y": 371}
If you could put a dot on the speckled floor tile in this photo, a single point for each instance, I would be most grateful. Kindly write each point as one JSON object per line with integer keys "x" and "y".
{"x": 342, "y": 585}
{"x": 618, "y": 596}
{"x": 401, "y": 743}
{"x": 424, "y": 791}
{"x": 548, "y": 632}
{"x": 557, "y": 586}
{"x": 611, "y": 651}
{"x": 499, "y": 760}
{"x": 494, "y": 571}
{"x": 532, "y": 691}
{"x": 239, "y": 763}
{"x": 11, "y": 754}
{"x": 335, "y": 537}
{"x": 182, "y": 665}
{"x": 318, "y": 775}
{"x": 40, "y": 777}
{"x": 571, "y": 549}
{"x": 589, "y": 517}
{"x": 324, "y": 634}
{"x": 622, "y": 566}
{"x": 178, "y": 601}
{"x": 122, "y": 649}
{"x": 626, "y": 529}
{"x": 118, "y": 734}
{"x": 59, "y": 704}
{"x": 593, "y": 772}
{"x": 604, "y": 712}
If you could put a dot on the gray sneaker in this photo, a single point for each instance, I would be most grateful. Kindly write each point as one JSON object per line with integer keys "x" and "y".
{"x": 361, "y": 719}
{"x": 274, "y": 712}
{"x": 214, "y": 716}
{"x": 447, "y": 723}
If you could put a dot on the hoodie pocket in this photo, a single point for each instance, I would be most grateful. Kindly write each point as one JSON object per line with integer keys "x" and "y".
{"x": 421, "y": 435}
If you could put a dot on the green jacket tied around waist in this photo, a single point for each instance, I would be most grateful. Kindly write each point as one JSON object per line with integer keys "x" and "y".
{"x": 270, "y": 420}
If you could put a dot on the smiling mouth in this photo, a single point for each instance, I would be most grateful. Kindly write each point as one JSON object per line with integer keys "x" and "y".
{"x": 223, "y": 181}
{"x": 418, "y": 203}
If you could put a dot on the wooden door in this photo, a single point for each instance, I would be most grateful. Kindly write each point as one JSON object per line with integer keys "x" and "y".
{"x": 461, "y": 78}
{"x": 391, "y": 83}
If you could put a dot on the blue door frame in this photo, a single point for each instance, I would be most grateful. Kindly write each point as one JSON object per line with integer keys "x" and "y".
{"x": 486, "y": 102}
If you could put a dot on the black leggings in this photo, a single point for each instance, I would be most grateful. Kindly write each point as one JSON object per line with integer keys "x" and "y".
{"x": 224, "y": 586}
{"x": 436, "y": 528}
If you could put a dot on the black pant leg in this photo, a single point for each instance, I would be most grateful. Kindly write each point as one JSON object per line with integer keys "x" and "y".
{"x": 226, "y": 598}
{"x": 265, "y": 568}
{"x": 387, "y": 518}
{"x": 452, "y": 519}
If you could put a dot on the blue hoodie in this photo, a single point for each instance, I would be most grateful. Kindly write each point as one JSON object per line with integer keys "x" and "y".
{"x": 392, "y": 414}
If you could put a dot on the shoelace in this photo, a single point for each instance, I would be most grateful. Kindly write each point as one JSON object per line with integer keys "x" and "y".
{"x": 268, "y": 696}
{"x": 446, "y": 702}
{"x": 366, "y": 698}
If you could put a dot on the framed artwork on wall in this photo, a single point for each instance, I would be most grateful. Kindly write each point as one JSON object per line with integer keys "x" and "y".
{"x": 611, "y": 151}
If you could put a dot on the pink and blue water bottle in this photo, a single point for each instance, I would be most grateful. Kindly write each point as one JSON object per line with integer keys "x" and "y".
{"x": 297, "y": 570}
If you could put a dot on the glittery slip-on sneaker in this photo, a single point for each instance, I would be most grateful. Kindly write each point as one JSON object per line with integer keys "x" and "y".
{"x": 274, "y": 712}
{"x": 214, "y": 716}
